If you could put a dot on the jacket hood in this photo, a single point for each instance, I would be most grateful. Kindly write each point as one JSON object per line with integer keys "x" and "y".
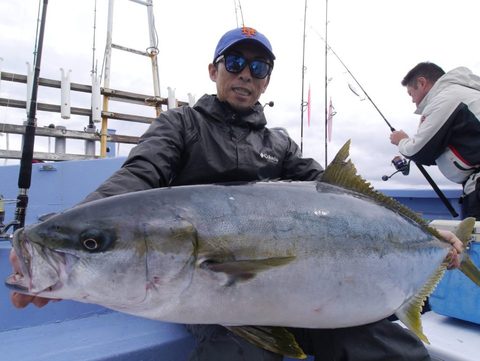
{"x": 459, "y": 76}
{"x": 222, "y": 112}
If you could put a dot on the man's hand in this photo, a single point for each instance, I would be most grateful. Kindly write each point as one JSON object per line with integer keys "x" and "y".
{"x": 457, "y": 248}
{"x": 19, "y": 300}
{"x": 397, "y": 135}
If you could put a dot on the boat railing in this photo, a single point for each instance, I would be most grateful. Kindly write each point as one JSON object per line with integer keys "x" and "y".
{"x": 89, "y": 134}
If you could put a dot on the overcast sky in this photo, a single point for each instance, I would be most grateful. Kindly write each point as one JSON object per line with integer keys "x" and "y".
{"x": 378, "y": 40}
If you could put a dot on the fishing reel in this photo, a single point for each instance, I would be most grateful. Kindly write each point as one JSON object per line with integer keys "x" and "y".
{"x": 4, "y": 235}
{"x": 401, "y": 165}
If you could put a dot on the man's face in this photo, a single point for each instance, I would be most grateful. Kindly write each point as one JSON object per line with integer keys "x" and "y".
{"x": 240, "y": 90}
{"x": 418, "y": 90}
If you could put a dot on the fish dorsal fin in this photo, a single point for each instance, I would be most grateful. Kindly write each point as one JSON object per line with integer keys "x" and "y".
{"x": 275, "y": 339}
{"x": 409, "y": 313}
{"x": 342, "y": 172}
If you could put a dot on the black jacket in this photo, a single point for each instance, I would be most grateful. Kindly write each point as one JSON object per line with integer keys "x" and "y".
{"x": 209, "y": 143}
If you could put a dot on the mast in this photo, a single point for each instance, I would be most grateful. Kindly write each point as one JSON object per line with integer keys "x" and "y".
{"x": 152, "y": 51}
{"x": 106, "y": 79}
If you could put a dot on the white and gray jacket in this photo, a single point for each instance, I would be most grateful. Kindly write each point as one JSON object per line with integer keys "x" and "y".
{"x": 449, "y": 131}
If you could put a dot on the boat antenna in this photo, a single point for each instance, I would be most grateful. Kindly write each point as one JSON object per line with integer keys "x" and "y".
{"x": 326, "y": 83}
{"x": 91, "y": 124}
{"x": 420, "y": 167}
{"x": 25, "y": 172}
{"x": 303, "y": 104}
{"x": 94, "y": 68}
{"x": 238, "y": 7}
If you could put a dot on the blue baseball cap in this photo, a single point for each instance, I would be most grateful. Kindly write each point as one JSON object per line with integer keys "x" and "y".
{"x": 235, "y": 36}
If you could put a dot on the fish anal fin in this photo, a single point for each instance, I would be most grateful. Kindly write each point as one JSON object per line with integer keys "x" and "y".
{"x": 409, "y": 312}
{"x": 274, "y": 339}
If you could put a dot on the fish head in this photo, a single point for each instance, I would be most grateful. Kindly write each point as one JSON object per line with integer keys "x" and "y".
{"x": 94, "y": 254}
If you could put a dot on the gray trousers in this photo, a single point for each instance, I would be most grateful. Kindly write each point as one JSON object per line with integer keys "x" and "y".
{"x": 379, "y": 341}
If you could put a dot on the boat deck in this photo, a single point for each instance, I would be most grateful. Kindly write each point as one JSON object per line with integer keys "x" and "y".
{"x": 451, "y": 339}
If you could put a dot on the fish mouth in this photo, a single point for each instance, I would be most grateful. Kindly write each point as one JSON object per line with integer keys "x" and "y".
{"x": 40, "y": 268}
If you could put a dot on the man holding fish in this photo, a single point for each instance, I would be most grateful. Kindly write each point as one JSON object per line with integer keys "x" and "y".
{"x": 224, "y": 138}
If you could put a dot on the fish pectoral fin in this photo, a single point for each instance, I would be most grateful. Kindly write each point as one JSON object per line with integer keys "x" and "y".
{"x": 409, "y": 313}
{"x": 274, "y": 339}
{"x": 242, "y": 270}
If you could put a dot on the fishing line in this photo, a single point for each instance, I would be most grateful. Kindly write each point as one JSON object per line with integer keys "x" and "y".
{"x": 355, "y": 79}
{"x": 420, "y": 167}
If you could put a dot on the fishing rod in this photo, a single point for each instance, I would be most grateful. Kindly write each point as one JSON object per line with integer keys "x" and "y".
{"x": 403, "y": 168}
{"x": 302, "y": 105}
{"x": 25, "y": 173}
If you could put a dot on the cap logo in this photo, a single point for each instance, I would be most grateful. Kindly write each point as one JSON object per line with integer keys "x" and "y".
{"x": 248, "y": 32}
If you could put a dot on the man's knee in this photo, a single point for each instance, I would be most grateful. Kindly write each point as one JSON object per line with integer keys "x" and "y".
{"x": 216, "y": 343}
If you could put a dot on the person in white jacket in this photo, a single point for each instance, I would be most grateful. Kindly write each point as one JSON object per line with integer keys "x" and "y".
{"x": 448, "y": 134}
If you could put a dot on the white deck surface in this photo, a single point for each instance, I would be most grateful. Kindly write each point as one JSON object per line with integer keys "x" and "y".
{"x": 451, "y": 339}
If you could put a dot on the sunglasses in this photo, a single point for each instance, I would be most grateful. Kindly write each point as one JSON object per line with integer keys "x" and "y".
{"x": 236, "y": 63}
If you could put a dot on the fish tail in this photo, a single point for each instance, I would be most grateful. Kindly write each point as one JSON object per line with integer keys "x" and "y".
{"x": 467, "y": 267}
{"x": 409, "y": 313}
{"x": 464, "y": 230}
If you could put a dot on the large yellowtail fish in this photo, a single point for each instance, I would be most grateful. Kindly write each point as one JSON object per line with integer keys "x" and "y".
{"x": 324, "y": 254}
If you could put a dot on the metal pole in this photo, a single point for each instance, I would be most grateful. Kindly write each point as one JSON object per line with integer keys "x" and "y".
{"x": 153, "y": 52}
{"x": 106, "y": 80}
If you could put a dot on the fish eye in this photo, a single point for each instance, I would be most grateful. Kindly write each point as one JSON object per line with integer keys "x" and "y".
{"x": 90, "y": 244}
{"x": 96, "y": 240}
